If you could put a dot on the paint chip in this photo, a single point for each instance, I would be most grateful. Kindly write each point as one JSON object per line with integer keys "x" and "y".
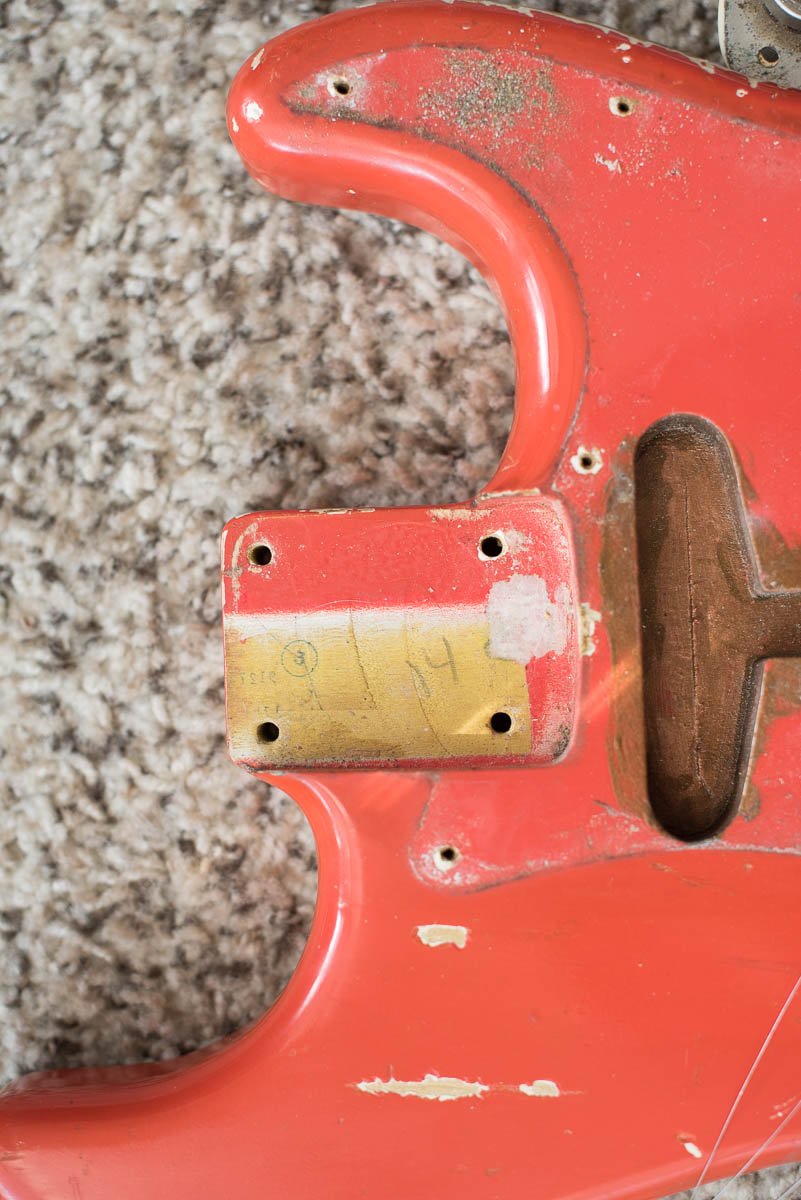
{"x": 524, "y": 622}
{"x": 443, "y": 935}
{"x": 541, "y": 1087}
{"x": 588, "y": 619}
{"x": 430, "y": 1087}
{"x": 253, "y": 111}
{"x": 257, "y": 59}
{"x": 234, "y": 124}
{"x": 612, "y": 164}
{"x": 691, "y": 1148}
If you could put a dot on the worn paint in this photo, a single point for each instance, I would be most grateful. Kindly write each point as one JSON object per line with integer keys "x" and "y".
{"x": 541, "y": 1087}
{"x": 524, "y": 622}
{"x": 443, "y": 935}
{"x": 430, "y": 1087}
{"x": 589, "y": 619}
{"x": 236, "y": 567}
{"x": 612, "y": 164}
{"x": 443, "y": 1087}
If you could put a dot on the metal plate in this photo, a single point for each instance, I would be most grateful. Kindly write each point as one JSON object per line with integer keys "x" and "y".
{"x": 426, "y": 635}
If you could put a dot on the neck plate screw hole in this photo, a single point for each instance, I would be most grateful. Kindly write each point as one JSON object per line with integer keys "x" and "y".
{"x": 260, "y": 555}
{"x": 500, "y": 722}
{"x": 492, "y": 546}
{"x": 268, "y": 731}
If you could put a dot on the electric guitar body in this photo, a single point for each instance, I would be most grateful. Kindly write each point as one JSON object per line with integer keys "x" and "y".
{"x": 547, "y": 739}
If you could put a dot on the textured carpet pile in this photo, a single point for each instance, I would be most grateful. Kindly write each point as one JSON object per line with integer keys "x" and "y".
{"x": 178, "y": 347}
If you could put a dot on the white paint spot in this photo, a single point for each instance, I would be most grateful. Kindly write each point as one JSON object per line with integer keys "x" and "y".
{"x": 588, "y": 619}
{"x": 253, "y": 111}
{"x": 257, "y": 59}
{"x": 741, "y": 92}
{"x": 234, "y": 124}
{"x": 524, "y": 623}
{"x": 611, "y": 164}
{"x": 691, "y": 1149}
{"x": 541, "y": 1087}
{"x": 623, "y": 46}
{"x": 443, "y": 935}
{"x": 430, "y": 1087}
{"x": 237, "y": 567}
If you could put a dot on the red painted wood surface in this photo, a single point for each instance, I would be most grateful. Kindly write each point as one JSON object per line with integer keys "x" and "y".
{"x": 635, "y": 212}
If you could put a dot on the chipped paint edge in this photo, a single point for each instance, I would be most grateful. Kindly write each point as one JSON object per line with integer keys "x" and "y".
{"x": 448, "y": 1087}
{"x": 430, "y": 1087}
{"x": 443, "y": 935}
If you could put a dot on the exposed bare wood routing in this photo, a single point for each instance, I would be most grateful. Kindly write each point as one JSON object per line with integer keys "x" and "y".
{"x": 706, "y": 625}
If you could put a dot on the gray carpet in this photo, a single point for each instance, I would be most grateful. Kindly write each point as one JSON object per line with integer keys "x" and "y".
{"x": 178, "y": 348}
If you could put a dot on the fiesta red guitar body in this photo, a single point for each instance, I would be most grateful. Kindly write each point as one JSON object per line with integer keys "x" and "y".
{"x": 546, "y": 966}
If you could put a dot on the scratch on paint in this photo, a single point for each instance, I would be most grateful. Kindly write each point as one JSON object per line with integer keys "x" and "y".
{"x": 443, "y": 935}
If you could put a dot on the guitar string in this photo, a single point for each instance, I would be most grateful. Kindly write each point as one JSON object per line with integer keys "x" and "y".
{"x": 791, "y": 1190}
{"x": 757, "y": 1153}
{"x": 744, "y": 1088}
